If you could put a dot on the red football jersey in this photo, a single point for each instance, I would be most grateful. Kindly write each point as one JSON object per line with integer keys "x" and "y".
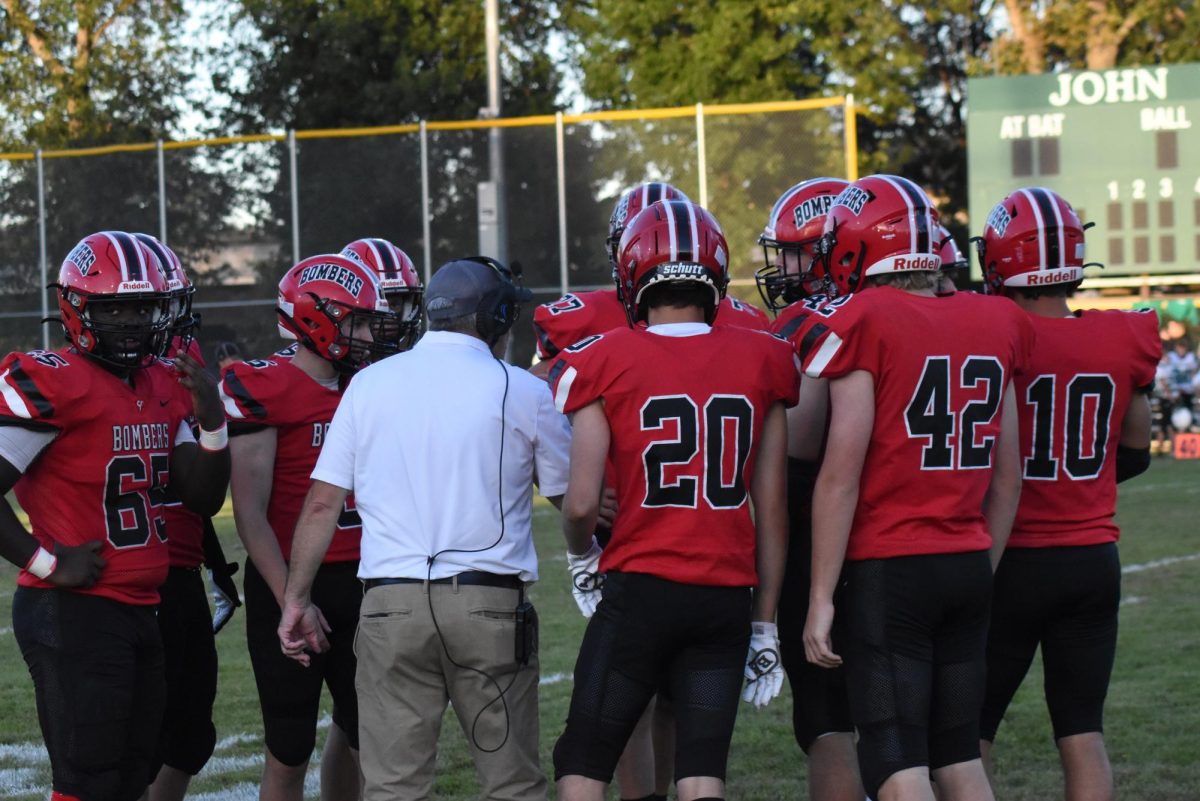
{"x": 686, "y": 414}
{"x": 264, "y": 393}
{"x": 185, "y": 528}
{"x": 573, "y": 317}
{"x": 1072, "y": 399}
{"x": 104, "y": 474}
{"x": 740, "y": 314}
{"x": 941, "y": 367}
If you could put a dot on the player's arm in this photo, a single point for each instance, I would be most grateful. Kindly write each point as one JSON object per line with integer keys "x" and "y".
{"x": 835, "y": 498}
{"x": 768, "y": 492}
{"x": 1133, "y": 449}
{"x": 581, "y": 504}
{"x": 68, "y": 566}
{"x": 253, "y": 457}
{"x": 806, "y": 420}
{"x": 200, "y": 473}
{"x": 302, "y": 627}
{"x": 1004, "y": 491}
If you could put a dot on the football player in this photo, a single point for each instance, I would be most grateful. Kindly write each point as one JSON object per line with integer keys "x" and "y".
{"x": 402, "y": 287}
{"x": 692, "y": 447}
{"x": 279, "y": 411}
{"x": 92, "y": 435}
{"x": 1085, "y": 426}
{"x": 917, "y": 488}
{"x": 794, "y": 286}
{"x": 185, "y": 624}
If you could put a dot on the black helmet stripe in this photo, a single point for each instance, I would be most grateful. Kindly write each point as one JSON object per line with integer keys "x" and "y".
{"x": 157, "y": 247}
{"x": 1051, "y": 233}
{"x": 387, "y": 260}
{"x": 683, "y": 223}
{"x": 132, "y": 257}
{"x": 651, "y": 193}
{"x": 920, "y": 212}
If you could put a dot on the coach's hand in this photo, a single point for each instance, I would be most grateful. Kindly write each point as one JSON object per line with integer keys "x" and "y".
{"x": 224, "y": 594}
{"x": 818, "y": 645}
{"x": 586, "y": 578}
{"x": 78, "y": 565}
{"x": 764, "y": 671}
{"x": 302, "y": 628}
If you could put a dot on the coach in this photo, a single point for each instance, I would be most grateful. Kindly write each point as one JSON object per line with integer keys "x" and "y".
{"x": 441, "y": 446}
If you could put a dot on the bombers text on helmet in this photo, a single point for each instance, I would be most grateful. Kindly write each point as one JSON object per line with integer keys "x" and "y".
{"x": 796, "y": 222}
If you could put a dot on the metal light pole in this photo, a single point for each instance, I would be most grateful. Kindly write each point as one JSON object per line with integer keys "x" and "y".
{"x": 493, "y": 231}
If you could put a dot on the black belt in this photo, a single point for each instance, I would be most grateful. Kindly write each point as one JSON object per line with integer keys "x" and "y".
{"x": 469, "y": 578}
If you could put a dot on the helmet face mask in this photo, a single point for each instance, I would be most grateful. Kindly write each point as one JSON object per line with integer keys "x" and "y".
{"x": 114, "y": 303}
{"x": 671, "y": 241}
{"x": 335, "y": 307}
{"x": 184, "y": 321}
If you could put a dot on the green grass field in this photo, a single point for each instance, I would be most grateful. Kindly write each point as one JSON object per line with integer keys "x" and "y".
{"x": 1153, "y": 708}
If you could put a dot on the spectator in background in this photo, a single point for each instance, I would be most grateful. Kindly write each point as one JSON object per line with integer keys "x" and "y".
{"x": 225, "y": 354}
{"x": 1181, "y": 369}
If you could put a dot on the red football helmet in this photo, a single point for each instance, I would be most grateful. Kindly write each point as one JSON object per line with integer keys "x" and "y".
{"x": 114, "y": 301}
{"x": 1032, "y": 238}
{"x": 327, "y": 301}
{"x": 402, "y": 287}
{"x": 879, "y": 225}
{"x": 671, "y": 240}
{"x": 628, "y": 205}
{"x": 179, "y": 285}
{"x": 796, "y": 223}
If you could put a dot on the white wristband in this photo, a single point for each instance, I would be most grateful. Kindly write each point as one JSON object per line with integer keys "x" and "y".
{"x": 215, "y": 440}
{"x": 42, "y": 563}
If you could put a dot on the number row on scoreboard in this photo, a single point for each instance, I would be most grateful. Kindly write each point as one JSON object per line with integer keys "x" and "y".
{"x": 1141, "y": 255}
{"x": 1138, "y": 188}
{"x": 1140, "y": 214}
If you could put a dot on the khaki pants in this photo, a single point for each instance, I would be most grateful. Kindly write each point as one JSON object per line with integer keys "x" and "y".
{"x": 405, "y": 679}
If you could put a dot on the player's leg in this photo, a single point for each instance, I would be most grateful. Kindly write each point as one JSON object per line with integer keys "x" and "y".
{"x": 663, "y": 733}
{"x": 401, "y": 692}
{"x": 338, "y": 594}
{"x": 190, "y": 659}
{"x": 706, "y": 681}
{"x": 635, "y": 771}
{"x": 1017, "y": 622}
{"x": 140, "y": 762}
{"x": 1078, "y": 653}
{"x": 288, "y": 693}
{"x": 959, "y": 675}
{"x": 820, "y": 710}
{"x": 890, "y": 610}
{"x": 620, "y": 665}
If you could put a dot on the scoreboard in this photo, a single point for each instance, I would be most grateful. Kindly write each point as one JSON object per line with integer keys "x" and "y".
{"x": 1122, "y": 146}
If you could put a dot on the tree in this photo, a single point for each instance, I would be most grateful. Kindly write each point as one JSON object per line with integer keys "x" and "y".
{"x": 85, "y": 73}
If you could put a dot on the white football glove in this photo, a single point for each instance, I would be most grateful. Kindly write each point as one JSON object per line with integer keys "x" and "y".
{"x": 764, "y": 671}
{"x": 586, "y": 578}
{"x": 224, "y": 605}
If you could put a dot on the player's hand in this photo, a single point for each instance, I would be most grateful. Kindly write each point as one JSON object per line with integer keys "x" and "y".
{"x": 608, "y": 508}
{"x": 206, "y": 402}
{"x": 224, "y": 594}
{"x": 818, "y": 644}
{"x": 586, "y": 578}
{"x": 302, "y": 628}
{"x": 78, "y": 565}
{"x": 764, "y": 671}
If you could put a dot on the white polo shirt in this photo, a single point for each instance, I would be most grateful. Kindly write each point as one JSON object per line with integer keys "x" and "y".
{"x": 417, "y": 438}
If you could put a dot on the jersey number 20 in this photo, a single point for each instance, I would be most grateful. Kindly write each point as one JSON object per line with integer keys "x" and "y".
{"x": 723, "y": 489}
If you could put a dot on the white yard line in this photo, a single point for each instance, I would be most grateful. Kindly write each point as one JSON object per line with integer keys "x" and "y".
{"x": 1157, "y": 563}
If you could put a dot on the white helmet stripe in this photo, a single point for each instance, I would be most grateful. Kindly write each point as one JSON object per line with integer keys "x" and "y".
{"x": 1041, "y": 224}
{"x": 672, "y": 234}
{"x": 691, "y": 210}
{"x": 120, "y": 251}
{"x": 1060, "y": 232}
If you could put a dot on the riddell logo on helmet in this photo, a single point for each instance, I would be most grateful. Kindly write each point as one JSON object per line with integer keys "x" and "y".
{"x": 82, "y": 257}
{"x": 332, "y": 272}
{"x": 917, "y": 263}
{"x": 135, "y": 286}
{"x": 852, "y": 198}
{"x": 812, "y": 208}
{"x": 1045, "y": 277}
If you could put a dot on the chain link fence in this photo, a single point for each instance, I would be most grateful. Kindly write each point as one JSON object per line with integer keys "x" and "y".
{"x": 239, "y": 211}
